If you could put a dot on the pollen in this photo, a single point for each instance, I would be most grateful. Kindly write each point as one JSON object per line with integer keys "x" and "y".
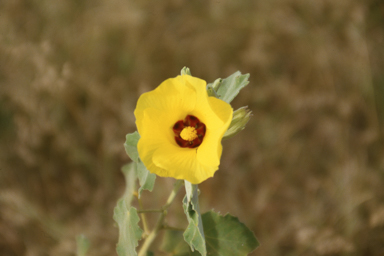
{"x": 188, "y": 133}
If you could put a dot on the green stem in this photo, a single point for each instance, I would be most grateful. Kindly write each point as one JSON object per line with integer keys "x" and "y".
{"x": 172, "y": 228}
{"x": 150, "y": 210}
{"x": 143, "y": 217}
{"x": 160, "y": 222}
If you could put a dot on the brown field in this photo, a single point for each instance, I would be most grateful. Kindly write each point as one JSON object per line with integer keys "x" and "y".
{"x": 307, "y": 173}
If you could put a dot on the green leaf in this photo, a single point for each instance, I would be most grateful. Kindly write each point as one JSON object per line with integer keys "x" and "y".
{"x": 224, "y": 235}
{"x": 129, "y": 230}
{"x": 130, "y": 145}
{"x": 229, "y": 87}
{"x": 146, "y": 179}
{"x": 174, "y": 244}
{"x": 129, "y": 171}
{"x": 126, "y": 216}
{"x": 194, "y": 234}
{"x": 227, "y": 236}
{"x": 82, "y": 245}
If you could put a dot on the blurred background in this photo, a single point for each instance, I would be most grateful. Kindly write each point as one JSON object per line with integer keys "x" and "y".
{"x": 307, "y": 173}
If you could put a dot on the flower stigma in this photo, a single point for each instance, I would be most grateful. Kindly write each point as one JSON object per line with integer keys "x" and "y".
{"x": 188, "y": 133}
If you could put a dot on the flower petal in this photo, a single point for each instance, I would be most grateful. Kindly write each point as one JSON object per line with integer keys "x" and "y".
{"x": 157, "y": 125}
{"x": 209, "y": 152}
{"x": 181, "y": 163}
{"x": 146, "y": 148}
{"x": 171, "y": 97}
{"x": 222, "y": 110}
{"x": 210, "y": 110}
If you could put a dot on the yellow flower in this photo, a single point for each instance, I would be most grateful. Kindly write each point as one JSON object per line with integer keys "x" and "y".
{"x": 181, "y": 129}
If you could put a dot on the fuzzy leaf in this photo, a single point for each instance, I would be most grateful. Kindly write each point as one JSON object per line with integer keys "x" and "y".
{"x": 224, "y": 235}
{"x": 194, "y": 234}
{"x": 146, "y": 179}
{"x": 129, "y": 230}
{"x": 229, "y": 87}
{"x": 126, "y": 216}
{"x": 227, "y": 236}
{"x": 174, "y": 244}
{"x": 130, "y": 145}
{"x": 129, "y": 171}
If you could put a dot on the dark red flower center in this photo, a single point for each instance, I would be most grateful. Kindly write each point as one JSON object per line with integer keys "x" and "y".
{"x": 189, "y": 133}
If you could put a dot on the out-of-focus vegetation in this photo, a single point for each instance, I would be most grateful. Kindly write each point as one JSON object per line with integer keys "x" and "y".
{"x": 307, "y": 173}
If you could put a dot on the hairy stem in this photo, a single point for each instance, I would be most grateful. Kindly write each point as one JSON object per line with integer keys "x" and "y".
{"x": 160, "y": 222}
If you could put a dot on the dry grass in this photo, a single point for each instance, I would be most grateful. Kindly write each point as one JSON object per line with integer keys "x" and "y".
{"x": 307, "y": 174}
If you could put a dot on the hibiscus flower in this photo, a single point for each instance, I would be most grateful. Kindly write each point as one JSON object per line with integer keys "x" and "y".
{"x": 181, "y": 128}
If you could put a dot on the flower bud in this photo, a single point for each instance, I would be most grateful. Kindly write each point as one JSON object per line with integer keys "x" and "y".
{"x": 185, "y": 71}
{"x": 213, "y": 87}
{"x": 239, "y": 120}
{"x": 216, "y": 84}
